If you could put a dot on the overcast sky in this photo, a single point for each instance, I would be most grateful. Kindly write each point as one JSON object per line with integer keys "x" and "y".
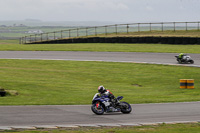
{"x": 101, "y": 10}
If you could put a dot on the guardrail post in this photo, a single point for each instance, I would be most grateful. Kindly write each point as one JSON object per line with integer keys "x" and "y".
{"x": 186, "y": 28}
{"x": 174, "y": 26}
{"x": 86, "y": 31}
{"x": 127, "y": 28}
{"x": 138, "y": 27}
{"x": 69, "y": 33}
{"x": 150, "y": 26}
{"x": 116, "y": 29}
{"x": 77, "y": 33}
{"x": 95, "y": 28}
{"x": 106, "y": 30}
{"x": 162, "y": 27}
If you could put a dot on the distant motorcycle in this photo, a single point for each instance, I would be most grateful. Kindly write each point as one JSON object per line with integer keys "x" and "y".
{"x": 102, "y": 104}
{"x": 187, "y": 59}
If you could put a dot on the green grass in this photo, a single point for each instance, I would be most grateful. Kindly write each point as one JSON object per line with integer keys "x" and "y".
{"x": 166, "y": 33}
{"x": 12, "y": 45}
{"x": 9, "y": 42}
{"x": 72, "y": 82}
{"x": 162, "y": 128}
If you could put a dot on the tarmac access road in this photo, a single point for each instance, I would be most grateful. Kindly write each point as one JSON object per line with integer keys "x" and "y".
{"x": 151, "y": 58}
{"x": 81, "y": 115}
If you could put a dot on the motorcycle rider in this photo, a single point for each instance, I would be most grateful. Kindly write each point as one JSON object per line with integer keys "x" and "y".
{"x": 102, "y": 91}
{"x": 182, "y": 56}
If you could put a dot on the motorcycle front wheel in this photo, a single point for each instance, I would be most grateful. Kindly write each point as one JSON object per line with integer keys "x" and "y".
{"x": 125, "y": 108}
{"x": 97, "y": 110}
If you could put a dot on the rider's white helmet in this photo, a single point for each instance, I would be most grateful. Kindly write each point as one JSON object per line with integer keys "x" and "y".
{"x": 101, "y": 89}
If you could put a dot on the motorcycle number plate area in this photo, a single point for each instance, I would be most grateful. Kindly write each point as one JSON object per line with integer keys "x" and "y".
{"x": 106, "y": 103}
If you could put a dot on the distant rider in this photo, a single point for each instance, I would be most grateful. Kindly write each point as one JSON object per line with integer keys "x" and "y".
{"x": 106, "y": 92}
{"x": 182, "y": 56}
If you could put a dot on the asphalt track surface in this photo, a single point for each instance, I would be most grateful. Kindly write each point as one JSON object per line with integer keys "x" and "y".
{"x": 81, "y": 115}
{"x": 152, "y": 58}
{"x": 77, "y": 115}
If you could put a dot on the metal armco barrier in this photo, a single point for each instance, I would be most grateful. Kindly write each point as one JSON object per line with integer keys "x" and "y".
{"x": 187, "y": 83}
{"x": 161, "y": 40}
{"x": 109, "y": 29}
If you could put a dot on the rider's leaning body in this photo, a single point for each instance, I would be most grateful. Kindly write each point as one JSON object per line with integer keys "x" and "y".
{"x": 105, "y": 92}
{"x": 182, "y": 56}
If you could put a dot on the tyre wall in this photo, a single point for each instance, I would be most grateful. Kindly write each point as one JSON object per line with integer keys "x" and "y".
{"x": 161, "y": 40}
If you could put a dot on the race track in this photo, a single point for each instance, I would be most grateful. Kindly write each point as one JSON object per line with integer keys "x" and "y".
{"x": 153, "y": 58}
{"x": 81, "y": 115}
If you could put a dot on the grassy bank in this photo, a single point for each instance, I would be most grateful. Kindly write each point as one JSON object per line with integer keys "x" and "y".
{"x": 12, "y": 45}
{"x": 166, "y": 33}
{"x": 162, "y": 128}
{"x": 71, "y": 82}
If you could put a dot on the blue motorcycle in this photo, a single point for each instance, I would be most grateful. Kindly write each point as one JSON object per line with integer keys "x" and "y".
{"x": 101, "y": 104}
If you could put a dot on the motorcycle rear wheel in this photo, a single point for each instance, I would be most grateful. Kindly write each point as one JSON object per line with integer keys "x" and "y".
{"x": 99, "y": 111}
{"x": 192, "y": 62}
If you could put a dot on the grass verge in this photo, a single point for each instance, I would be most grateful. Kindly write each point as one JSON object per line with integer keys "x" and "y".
{"x": 156, "y": 33}
{"x": 12, "y": 45}
{"x": 39, "y": 82}
{"x": 161, "y": 128}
